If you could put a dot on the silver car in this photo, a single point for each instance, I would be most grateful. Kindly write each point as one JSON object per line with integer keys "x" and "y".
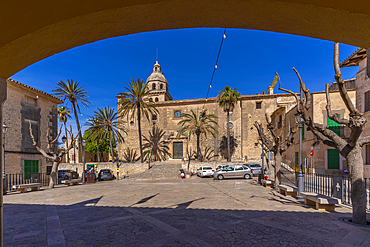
{"x": 255, "y": 168}
{"x": 234, "y": 171}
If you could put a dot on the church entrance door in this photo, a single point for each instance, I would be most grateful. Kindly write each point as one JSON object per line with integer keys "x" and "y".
{"x": 177, "y": 150}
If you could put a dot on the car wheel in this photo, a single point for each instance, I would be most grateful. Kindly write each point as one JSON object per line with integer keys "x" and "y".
{"x": 247, "y": 176}
{"x": 220, "y": 177}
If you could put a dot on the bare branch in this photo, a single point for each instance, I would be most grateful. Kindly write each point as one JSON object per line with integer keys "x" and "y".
{"x": 270, "y": 127}
{"x": 265, "y": 140}
{"x": 364, "y": 141}
{"x": 341, "y": 85}
{"x": 306, "y": 102}
{"x": 288, "y": 91}
{"x": 335, "y": 116}
{"x": 323, "y": 138}
{"x": 37, "y": 147}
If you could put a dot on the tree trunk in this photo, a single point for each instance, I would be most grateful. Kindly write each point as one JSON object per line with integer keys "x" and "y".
{"x": 277, "y": 157}
{"x": 228, "y": 139}
{"x": 79, "y": 137}
{"x": 358, "y": 195}
{"x": 111, "y": 151}
{"x": 65, "y": 128}
{"x": 53, "y": 174}
{"x": 198, "y": 147}
{"x": 97, "y": 148}
{"x": 139, "y": 128}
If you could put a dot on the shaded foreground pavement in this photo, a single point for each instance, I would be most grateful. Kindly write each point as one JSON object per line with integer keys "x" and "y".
{"x": 174, "y": 212}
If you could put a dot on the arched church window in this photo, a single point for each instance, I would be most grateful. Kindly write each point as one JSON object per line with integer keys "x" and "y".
{"x": 161, "y": 86}
{"x": 156, "y": 99}
{"x": 153, "y": 86}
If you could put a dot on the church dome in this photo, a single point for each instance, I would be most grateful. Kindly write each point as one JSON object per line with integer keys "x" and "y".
{"x": 156, "y": 74}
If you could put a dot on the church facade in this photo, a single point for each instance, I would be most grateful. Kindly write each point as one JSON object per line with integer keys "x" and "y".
{"x": 249, "y": 108}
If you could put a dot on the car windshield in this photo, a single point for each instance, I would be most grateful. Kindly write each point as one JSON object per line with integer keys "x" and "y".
{"x": 207, "y": 168}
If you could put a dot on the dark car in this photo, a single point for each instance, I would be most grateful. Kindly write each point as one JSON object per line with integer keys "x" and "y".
{"x": 105, "y": 174}
{"x": 67, "y": 175}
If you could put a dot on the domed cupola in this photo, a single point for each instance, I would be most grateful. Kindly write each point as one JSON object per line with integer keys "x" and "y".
{"x": 158, "y": 84}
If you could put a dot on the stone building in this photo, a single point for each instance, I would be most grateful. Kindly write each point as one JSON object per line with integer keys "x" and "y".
{"x": 362, "y": 84}
{"x": 25, "y": 105}
{"x": 248, "y": 109}
{"x": 325, "y": 159}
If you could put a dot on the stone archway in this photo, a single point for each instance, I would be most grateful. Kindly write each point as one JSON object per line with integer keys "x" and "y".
{"x": 33, "y": 30}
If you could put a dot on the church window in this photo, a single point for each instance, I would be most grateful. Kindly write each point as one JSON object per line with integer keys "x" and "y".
{"x": 153, "y": 86}
{"x": 156, "y": 99}
{"x": 154, "y": 117}
{"x": 161, "y": 86}
{"x": 132, "y": 123}
{"x": 258, "y": 105}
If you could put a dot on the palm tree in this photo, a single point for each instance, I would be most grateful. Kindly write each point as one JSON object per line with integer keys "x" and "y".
{"x": 158, "y": 147}
{"x": 198, "y": 124}
{"x": 75, "y": 94}
{"x": 105, "y": 124}
{"x": 64, "y": 113}
{"x": 136, "y": 103}
{"x": 227, "y": 99}
{"x": 92, "y": 122}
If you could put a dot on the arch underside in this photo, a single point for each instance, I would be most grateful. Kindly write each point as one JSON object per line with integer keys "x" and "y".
{"x": 33, "y": 30}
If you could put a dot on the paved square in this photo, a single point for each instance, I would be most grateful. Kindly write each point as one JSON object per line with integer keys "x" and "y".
{"x": 173, "y": 212}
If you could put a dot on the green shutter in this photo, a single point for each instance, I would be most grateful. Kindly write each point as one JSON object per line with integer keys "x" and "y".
{"x": 302, "y": 131}
{"x": 333, "y": 125}
{"x": 30, "y": 167}
{"x": 333, "y": 159}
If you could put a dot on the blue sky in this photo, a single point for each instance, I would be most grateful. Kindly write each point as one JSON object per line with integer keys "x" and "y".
{"x": 248, "y": 61}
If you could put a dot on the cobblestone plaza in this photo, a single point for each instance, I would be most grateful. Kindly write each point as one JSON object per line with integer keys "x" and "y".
{"x": 172, "y": 212}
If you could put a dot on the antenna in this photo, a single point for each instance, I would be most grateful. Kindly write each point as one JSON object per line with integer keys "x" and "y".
{"x": 156, "y": 54}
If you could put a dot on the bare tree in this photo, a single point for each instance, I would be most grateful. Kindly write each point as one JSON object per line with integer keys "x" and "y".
{"x": 349, "y": 148}
{"x": 276, "y": 144}
{"x": 50, "y": 154}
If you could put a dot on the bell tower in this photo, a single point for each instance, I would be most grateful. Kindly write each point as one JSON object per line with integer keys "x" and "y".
{"x": 158, "y": 84}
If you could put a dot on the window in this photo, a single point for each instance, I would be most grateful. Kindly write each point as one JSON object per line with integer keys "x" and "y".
{"x": 153, "y": 86}
{"x": 367, "y": 101}
{"x": 332, "y": 125}
{"x": 280, "y": 123}
{"x": 230, "y": 168}
{"x": 367, "y": 154}
{"x": 258, "y": 105}
{"x": 156, "y": 99}
{"x": 132, "y": 123}
{"x": 161, "y": 86}
{"x": 303, "y": 132}
{"x": 154, "y": 117}
{"x": 333, "y": 159}
{"x": 30, "y": 167}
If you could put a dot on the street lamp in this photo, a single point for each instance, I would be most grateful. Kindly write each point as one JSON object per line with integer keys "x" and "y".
{"x": 5, "y": 128}
{"x": 300, "y": 173}
{"x": 83, "y": 160}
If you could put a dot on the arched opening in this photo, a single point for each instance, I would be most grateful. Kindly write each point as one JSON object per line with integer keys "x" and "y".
{"x": 156, "y": 99}
{"x": 161, "y": 86}
{"x": 153, "y": 86}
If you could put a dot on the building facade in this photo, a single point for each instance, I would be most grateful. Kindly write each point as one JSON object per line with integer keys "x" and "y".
{"x": 27, "y": 106}
{"x": 249, "y": 108}
{"x": 325, "y": 159}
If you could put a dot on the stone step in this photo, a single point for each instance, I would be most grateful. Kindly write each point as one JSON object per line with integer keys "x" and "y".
{"x": 159, "y": 170}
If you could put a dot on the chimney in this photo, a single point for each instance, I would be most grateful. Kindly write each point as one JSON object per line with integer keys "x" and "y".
{"x": 270, "y": 90}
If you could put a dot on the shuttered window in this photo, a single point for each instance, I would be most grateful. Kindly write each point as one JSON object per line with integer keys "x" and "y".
{"x": 30, "y": 167}
{"x": 333, "y": 125}
{"x": 333, "y": 159}
{"x": 303, "y": 132}
{"x": 367, "y": 101}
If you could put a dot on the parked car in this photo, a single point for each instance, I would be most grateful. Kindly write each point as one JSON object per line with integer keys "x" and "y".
{"x": 221, "y": 167}
{"x": 205, "y": 171}
{"x": 105, "y": 174}
{"x": 67, "y": 175}
{"x": 234, "y": 171}
{"x": 255, "y": 168}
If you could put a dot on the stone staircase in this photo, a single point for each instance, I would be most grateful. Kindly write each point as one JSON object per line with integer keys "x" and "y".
{"x": 158, "y": 170}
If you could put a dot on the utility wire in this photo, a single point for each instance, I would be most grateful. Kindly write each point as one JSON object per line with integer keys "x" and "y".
{"x": 214, "y": 69}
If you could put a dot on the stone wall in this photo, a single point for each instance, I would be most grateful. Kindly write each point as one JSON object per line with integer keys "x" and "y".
{"x": 125, "y": 168}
